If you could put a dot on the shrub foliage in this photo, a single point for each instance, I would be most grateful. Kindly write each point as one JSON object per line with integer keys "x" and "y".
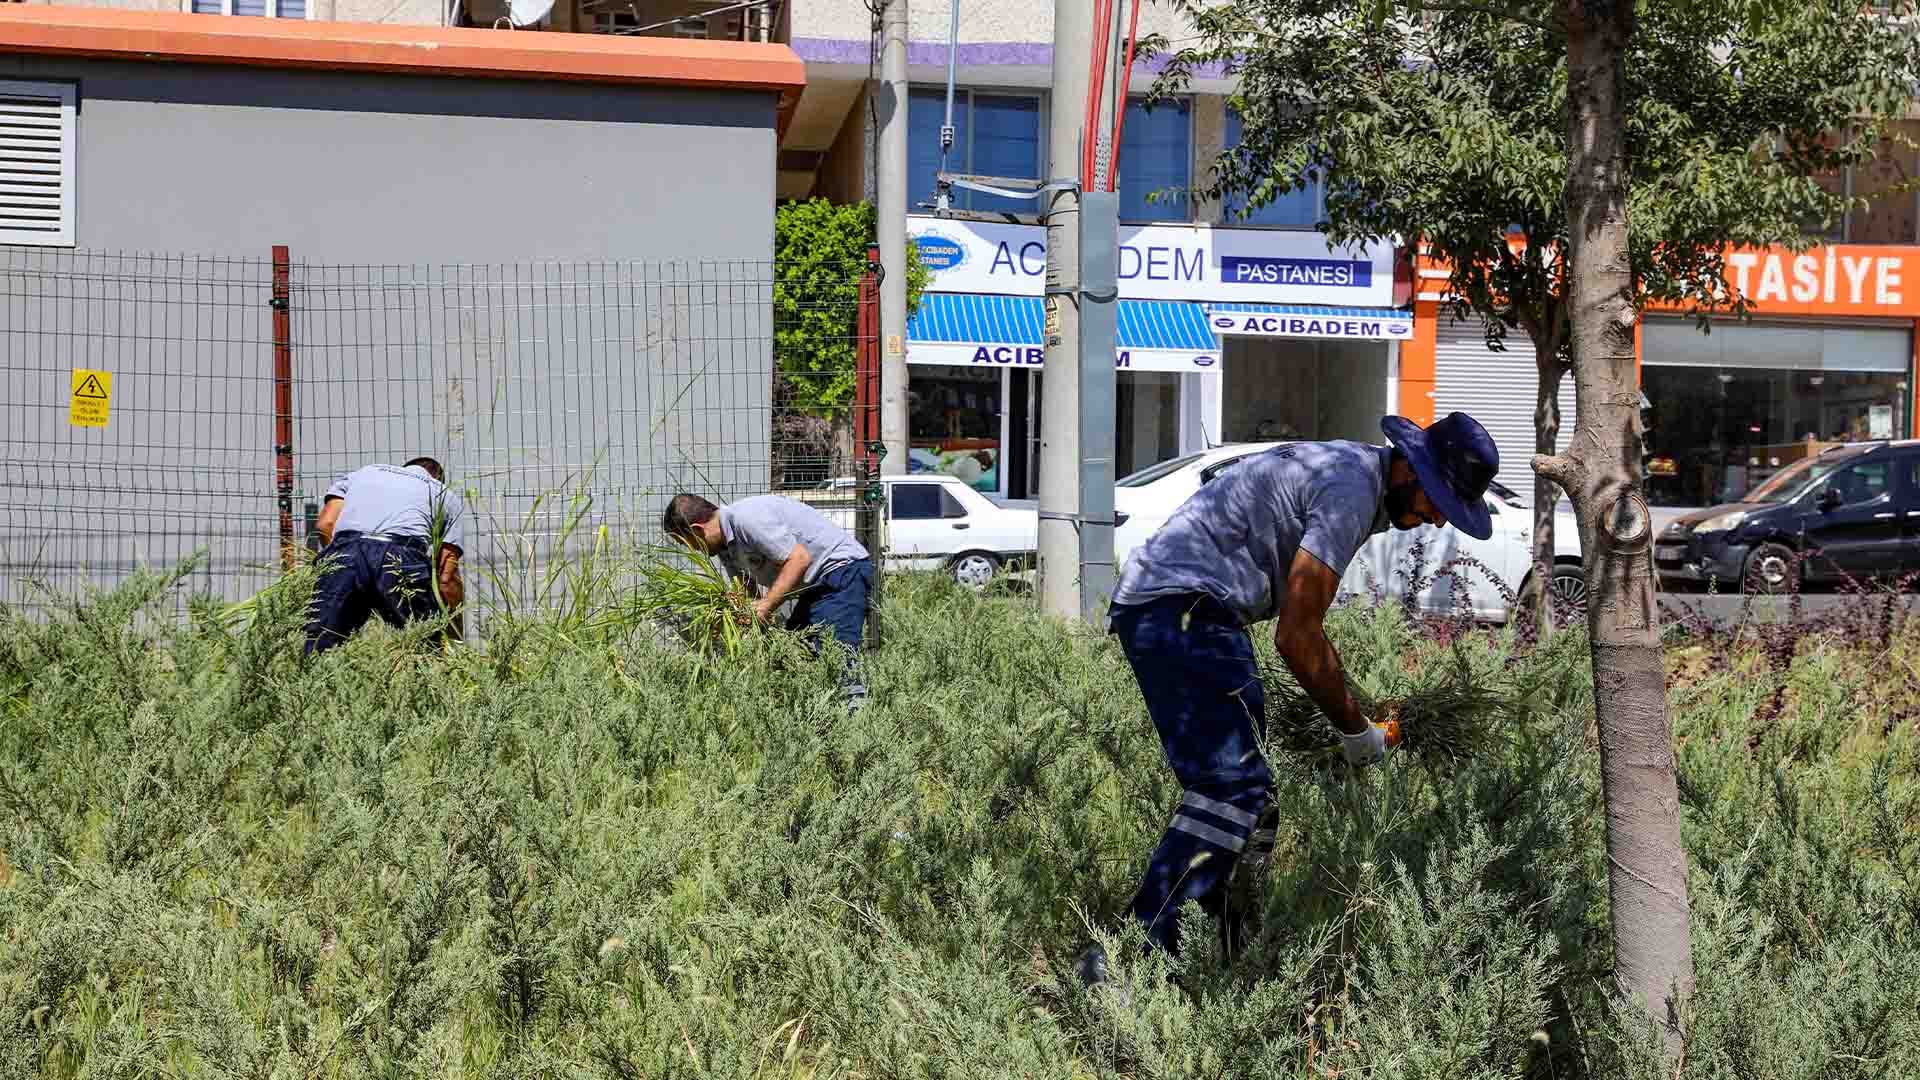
{"x": 604, "y": 857}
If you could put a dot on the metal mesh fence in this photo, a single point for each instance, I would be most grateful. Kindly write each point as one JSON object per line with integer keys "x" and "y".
{"x": 564, "y": 394}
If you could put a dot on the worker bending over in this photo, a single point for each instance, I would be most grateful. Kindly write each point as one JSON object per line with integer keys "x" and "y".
{"x": 786, "y": 549}
{"x": 1269, "y": 538}
{"x": 392, "y": 538}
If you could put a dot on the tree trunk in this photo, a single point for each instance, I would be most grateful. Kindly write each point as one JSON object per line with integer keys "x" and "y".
{"x": 1646, "y": 865}
{"x": 1546, "y": 439}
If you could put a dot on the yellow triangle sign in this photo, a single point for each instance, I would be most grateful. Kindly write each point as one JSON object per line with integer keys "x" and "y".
{"x": 88, "y": 406}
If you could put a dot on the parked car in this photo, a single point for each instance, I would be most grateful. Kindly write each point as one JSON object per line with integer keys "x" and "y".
{"x": 1850, "y": 512}
{"x": 1505, "y": 559}
{"x": 1149, "y": 497}
{"x": 1144, "y": 500}
{"x": 938, "y": 522}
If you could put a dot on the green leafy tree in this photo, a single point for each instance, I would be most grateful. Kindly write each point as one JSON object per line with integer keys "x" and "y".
{"x": 1447, "y": 124}
{"x": 1573, "y": 161}
{"x": 819, "y": 256}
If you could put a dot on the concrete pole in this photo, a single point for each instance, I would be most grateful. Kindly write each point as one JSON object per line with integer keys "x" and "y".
{"x": 1059, "y": 540}
{"x": 891, "y": 205}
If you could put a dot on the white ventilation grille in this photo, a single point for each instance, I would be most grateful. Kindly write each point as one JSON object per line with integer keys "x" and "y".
{"x": 36, "y": 163}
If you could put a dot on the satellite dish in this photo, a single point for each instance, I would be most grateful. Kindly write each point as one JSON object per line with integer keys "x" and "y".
{"x": 523, "y": 13}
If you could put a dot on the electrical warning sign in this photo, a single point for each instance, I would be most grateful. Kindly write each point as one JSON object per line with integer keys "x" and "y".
{"x": 92, "y": 390}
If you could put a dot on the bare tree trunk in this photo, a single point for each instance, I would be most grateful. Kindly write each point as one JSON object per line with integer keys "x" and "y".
{"x": 1546, "y": 439}
{"x": 1646, "y": 864}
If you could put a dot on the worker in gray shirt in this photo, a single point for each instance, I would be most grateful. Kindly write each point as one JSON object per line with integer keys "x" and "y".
{"x": 1269, "y": 538}
{"x": 393, "y": 536}
{"x": 786, "y": 549}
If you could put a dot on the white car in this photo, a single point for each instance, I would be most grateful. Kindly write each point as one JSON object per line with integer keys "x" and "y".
{"x": 938, "y": 522}
{"x": 1149, "y": 497}
{"x": 1143, "y": 501}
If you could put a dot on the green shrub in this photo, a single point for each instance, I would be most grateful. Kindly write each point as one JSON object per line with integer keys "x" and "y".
{"x": 611, "y": 858}
{"x": 819, "y": 257}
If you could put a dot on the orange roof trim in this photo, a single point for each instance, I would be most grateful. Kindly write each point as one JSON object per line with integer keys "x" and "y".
{"x": 421, "y": 50}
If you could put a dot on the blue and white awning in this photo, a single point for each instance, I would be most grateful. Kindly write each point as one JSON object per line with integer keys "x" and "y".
{"x": 969, "y": 329}
{"x": 1309, "y": 321}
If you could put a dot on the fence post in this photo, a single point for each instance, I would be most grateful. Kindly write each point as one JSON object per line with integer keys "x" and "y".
{"x": 283, "y": 399}
{"x": 867, "y": 446}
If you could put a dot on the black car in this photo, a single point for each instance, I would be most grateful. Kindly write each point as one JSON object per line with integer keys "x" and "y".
{"x": 1854, "y": 509}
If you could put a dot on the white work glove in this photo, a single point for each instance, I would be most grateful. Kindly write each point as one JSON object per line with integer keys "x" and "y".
{"x": 1365, "y": 748}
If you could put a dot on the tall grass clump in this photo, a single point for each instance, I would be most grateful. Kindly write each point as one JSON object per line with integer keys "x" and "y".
{"x": 614, "y": 856}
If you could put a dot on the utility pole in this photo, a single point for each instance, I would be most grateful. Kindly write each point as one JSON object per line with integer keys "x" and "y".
{"x": 890, "y": 202}
{"x": 1074, "y": 572}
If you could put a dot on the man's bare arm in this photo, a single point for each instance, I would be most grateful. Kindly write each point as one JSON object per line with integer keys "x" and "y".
{"x": 329, "y": 517}
{"x": 1300, "y": 638}
{"x": 453, "y": 590}
{"x": 792, "y": 572}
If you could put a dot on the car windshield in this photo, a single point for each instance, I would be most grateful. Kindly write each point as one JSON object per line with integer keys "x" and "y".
{"x": 1154, "y": 472}
{"x": 1504, "y": 493}
{"x": 1796, "y": 479}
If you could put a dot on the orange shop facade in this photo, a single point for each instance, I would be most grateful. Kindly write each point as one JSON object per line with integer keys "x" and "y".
{"x": 1827, "y": 357}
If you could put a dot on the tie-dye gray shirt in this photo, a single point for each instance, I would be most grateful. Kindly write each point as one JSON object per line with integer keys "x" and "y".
{"x": 1235, "y": 539}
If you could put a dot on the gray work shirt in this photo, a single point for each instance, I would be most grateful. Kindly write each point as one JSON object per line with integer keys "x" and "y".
{"x": 1236, "y": 537}
{"x": 398, "y": 501}
{"x": 762, "y": 531}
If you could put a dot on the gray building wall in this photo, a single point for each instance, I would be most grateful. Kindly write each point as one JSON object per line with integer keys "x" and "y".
{"x": 394, "y": 169}
{"x": 557, "y": 289}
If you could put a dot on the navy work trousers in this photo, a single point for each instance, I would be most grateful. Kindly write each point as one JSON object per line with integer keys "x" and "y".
{"x": 837, "y": 603}
{"x": 361, "y": 576}
{"x": 1194, "y": 663}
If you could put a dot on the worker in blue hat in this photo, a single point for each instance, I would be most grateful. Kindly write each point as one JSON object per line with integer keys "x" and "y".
{"x": 1269, "y": 538}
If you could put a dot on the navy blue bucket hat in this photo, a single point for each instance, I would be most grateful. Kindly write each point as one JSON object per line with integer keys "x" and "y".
{"x": 1455, "y": 460}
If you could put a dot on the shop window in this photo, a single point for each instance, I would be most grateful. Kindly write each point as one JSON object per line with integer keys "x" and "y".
{"x": 993, "y": 135}
{"x": 953, "y": 424}
{"x": 1302, "y": 208}
{"x": 1156, "y": 156}
{"x": 1732, "y": 408}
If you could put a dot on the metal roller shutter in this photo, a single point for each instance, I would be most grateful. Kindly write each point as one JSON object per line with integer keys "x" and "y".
{"x": 1497, "y": 389}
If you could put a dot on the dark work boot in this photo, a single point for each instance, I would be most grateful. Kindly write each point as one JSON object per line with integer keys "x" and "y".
{"x": 1092, "y": 966}
{"x": 1247, "y": 887}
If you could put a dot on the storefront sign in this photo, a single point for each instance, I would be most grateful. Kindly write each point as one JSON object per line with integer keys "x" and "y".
{"x": 955, "y": 354}
{"x": 1382, "y": 327}
{"x": 1164, "y": 262}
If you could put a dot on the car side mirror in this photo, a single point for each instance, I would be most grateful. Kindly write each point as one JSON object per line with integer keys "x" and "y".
{"x": 1829, "y": 500}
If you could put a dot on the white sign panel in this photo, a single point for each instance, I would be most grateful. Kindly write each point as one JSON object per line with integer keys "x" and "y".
{"x": 1880, "y": 422}
{"x": 1164, "y": 262}
{"x": 1385, "y": 326}
{"x": 957, "y": 354}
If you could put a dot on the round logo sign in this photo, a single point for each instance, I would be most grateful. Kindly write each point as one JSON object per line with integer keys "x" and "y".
{"x": 939, "y": 252}
{"x": 1203, "y": 361}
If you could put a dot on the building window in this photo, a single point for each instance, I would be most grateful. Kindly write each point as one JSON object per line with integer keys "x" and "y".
{"x": 1156, "y": 155}
{"x": 1302, "y": 208}
{"x": 37, "y": 137}
{"x": 993, "y": 135}
{"x": 268, "y": 9}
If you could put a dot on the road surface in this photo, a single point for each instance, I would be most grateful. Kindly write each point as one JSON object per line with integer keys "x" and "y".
{"x": 1726, "y": 610}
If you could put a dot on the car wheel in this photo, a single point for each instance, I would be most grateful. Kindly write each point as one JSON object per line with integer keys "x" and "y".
{"x": 1770, "y": 570}
{"x": 974, "y": 569}
{"x": 1567, "y": 588}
